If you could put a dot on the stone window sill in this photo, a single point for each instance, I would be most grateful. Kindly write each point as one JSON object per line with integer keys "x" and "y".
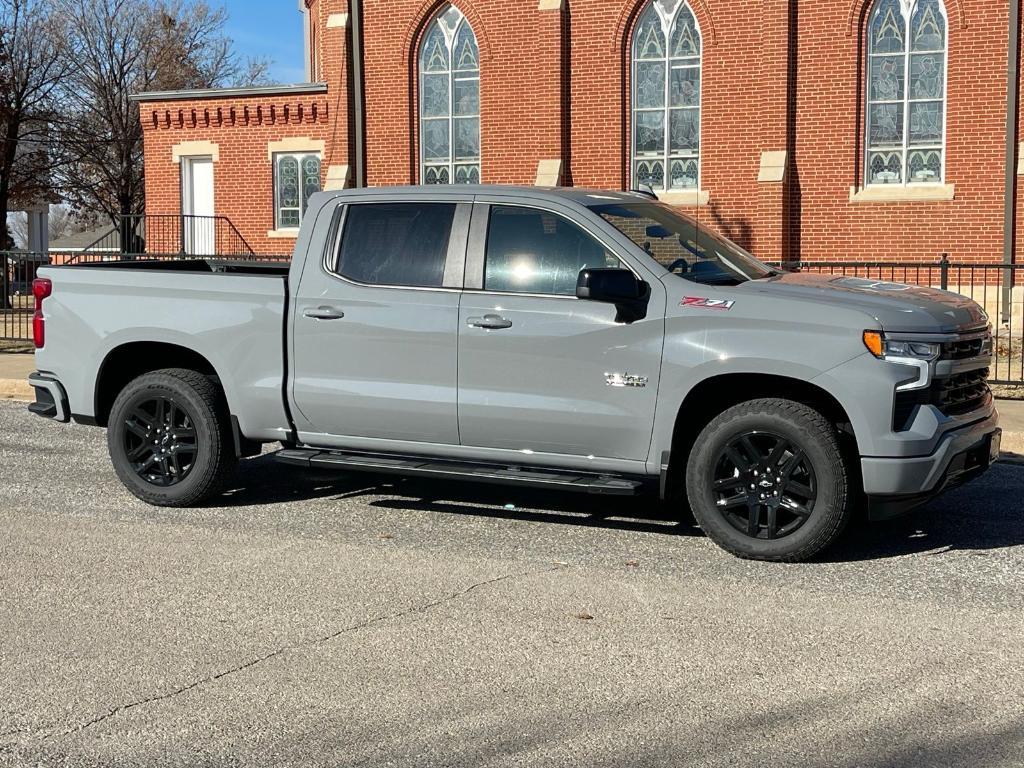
{"x": 685, "y": 197}
{"x": 283, "y": 234}
{"x": 899, "y": 194}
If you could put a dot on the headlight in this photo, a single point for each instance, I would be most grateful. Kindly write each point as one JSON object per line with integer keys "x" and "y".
{"x": 920, "y": 354}
{"x": 884, "y": 348}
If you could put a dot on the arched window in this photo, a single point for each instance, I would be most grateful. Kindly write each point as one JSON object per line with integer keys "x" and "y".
{"x": 449, "y": 101}
{"x": 906, "y": 73}
{"x": 666, "y": 97}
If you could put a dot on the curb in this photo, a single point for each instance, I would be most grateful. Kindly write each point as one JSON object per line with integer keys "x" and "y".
{"x": 16, "y": 389}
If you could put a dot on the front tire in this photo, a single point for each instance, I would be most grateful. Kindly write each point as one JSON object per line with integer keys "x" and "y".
{"x": 169, "y": 438}
{"x": 767, "y": 480}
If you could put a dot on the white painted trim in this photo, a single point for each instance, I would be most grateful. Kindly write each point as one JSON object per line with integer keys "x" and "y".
{"x": 1020, "y": 159}
{"x": 897, "y": 193}
{"x": 283, "y": 234}
{"x": 550, "y": 5}
{"x": 685, "y": 197}
{"x": 195, "y": 149}
{"x": 337, "y": 21}
{"x": 297, "y": 144}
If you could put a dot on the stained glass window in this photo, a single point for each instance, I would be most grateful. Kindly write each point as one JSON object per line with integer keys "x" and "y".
{"x": 906, "y": 92}
{"x": 666, "y": 97}
{"x": 296, "y": 179}
{"x": 449, "y": 101}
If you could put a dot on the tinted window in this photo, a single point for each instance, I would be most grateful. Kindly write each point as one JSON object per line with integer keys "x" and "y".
{"x": 532, "y": 251}
{"x": 396, "y": 243}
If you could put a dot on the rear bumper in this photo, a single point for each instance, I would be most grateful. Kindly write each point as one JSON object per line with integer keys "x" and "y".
{"x": 895, "y": 486}
{"x": 51, "y": 400}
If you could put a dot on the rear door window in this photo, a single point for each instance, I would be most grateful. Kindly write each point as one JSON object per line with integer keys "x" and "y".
{"x": 399, "y": 244}
{"x": 535, "y": 251}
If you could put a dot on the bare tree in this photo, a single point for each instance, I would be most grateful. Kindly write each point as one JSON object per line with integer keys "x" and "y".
{"x": 34, "y": 61}
{"x": 127, "y": 47}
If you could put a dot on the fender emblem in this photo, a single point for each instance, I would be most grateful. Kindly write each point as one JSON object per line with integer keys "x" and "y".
{"x": 624, "y": 380}
{"x": 702, "y": 303}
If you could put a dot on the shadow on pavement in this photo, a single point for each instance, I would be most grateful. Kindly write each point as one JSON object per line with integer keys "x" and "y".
{"x": 987, "y": 514}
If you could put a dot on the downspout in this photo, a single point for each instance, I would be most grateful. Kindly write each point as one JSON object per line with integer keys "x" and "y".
{"x": 358, "y": 101}
{"x": 1012, "y": 138}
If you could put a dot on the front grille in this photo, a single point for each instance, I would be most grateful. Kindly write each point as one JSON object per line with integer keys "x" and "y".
{"x": 962, "y": 393}
{"x": 953, "y": 396}
{"x": 964, "y": 349}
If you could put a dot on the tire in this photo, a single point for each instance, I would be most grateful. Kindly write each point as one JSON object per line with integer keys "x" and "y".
{"x": 788, "y": 514}
{"x": 177, "y": 454}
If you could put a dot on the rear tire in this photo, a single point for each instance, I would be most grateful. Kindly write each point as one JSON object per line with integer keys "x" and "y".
{"x": 767, "y": 480}
{"x": 169, "y": 437}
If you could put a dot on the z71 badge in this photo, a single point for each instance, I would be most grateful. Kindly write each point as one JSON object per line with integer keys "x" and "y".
{"x": 701, "y": 303}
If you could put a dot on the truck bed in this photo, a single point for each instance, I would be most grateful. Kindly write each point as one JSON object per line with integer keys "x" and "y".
{"x": 230, "y": 313}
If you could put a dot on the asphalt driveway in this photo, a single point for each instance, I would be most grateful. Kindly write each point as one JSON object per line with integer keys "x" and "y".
{"x": 316, "y": 620}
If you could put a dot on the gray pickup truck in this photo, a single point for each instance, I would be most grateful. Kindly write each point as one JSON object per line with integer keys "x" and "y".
{"x": 562, "y": 338}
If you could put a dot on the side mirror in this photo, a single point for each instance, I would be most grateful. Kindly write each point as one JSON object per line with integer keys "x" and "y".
{"x": 613, "y": 285}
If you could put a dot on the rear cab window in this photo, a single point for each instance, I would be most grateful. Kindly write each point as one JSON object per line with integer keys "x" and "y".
{"x": 395, "y": 244}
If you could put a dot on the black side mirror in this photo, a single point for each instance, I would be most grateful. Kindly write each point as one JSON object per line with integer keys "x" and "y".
{"x": 614, "y": 285}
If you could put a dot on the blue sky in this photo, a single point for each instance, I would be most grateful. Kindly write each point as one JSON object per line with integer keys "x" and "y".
{"x": 271, "y": 28}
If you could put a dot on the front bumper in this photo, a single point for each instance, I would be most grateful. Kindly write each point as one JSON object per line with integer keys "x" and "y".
{"x": 51, "y": 399}
{"x": 897, "y": 485}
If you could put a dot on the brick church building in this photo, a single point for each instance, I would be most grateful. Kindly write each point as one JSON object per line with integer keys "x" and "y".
{"x": 802, "y": 129}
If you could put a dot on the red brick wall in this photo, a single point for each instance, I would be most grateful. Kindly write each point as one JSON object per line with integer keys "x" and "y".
{"x": 243, "y": 176}
{"x": 555, "y": 84}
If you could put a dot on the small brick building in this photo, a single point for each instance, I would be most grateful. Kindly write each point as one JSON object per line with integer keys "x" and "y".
{"x": 803, "y": 129}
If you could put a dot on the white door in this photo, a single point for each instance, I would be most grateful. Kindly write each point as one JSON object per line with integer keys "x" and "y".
{"x": 197, "y": 206}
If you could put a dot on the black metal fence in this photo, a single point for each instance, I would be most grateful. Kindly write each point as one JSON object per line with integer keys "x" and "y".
{"x": 998, "y": 288}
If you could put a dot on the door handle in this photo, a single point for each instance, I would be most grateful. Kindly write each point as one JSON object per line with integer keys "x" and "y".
{"x": 492, "y": 322}
{"x": 324, "y": 313}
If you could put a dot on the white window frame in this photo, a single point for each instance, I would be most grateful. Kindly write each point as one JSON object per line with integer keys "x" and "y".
{"x": 668, "y": 20}
{"x": 907, "y": 9}
{"x": 453, "y": 75}
{"x": 299, "y": 156}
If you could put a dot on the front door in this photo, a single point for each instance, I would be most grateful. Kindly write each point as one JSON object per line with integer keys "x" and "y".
{"x": 197, "y": 206}
{"x": 540, "y": 371}
{"x": 375, "y": 327}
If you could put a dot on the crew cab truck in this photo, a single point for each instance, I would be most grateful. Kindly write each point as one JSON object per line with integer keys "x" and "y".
{"x": 563, "y": 338}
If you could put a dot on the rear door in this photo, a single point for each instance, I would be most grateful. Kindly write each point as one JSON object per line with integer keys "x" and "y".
{"x": 542, "y": 373}
{"x": 376, "y": 324}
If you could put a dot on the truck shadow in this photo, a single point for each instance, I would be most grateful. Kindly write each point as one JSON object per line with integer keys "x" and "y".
{"x": 987, "y": 514}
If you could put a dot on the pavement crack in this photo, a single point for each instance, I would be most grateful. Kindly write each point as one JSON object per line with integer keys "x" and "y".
{"x": 422, "y": 608}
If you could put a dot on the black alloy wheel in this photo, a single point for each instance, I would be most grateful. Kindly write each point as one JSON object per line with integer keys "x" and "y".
{"x": 764, "y": 485}
{"x": 160, "y": 441}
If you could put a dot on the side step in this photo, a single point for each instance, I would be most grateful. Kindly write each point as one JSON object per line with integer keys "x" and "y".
{"x": 483, "y": 473}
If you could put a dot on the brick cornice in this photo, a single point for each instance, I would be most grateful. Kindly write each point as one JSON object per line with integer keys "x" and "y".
{"x": 859, "y": 10}
{"x": 183, "y": 115}
{"x": 624, "y": 25}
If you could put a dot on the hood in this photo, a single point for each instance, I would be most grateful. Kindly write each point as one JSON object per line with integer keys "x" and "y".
{"x": 897, "y": 307}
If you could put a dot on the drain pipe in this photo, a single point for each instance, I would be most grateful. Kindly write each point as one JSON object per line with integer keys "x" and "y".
{"x": 358, "y": 101}
{"x": 1012, "y": 137}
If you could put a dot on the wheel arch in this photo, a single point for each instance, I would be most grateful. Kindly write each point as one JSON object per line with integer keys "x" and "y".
{"x": 128, "y": 361}
{"x": 713, "y": 395}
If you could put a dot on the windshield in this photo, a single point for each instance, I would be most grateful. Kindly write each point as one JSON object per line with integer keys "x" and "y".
{"x": 678, "y": 244}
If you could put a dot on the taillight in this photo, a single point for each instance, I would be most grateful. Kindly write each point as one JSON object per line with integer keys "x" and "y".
{"x": 41, "y": 288}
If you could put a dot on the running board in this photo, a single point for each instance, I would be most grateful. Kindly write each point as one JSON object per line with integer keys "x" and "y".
{"x": 483, "y": 473}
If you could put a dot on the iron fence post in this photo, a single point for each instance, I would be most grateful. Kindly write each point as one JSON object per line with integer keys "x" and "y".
{"x": 944, "y": 272}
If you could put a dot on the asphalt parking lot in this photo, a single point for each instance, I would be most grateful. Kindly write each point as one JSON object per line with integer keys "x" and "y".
{"x": 315, "y": 620}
